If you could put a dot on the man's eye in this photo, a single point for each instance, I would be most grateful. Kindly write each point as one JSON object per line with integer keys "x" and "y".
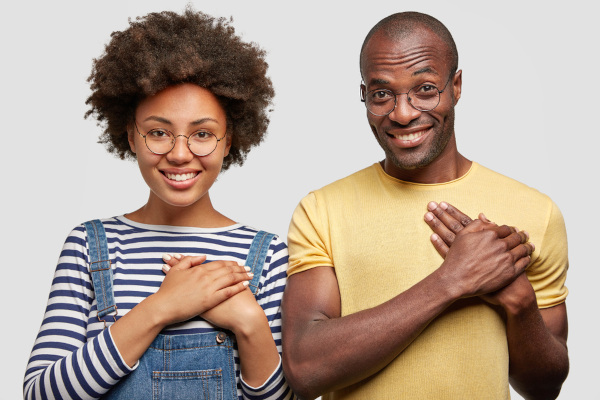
{"x": 426, "y": 89}
{"x": 381, "y": 95}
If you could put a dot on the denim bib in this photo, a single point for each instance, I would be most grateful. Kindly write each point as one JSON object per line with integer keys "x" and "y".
{"x": 185, "y": 366}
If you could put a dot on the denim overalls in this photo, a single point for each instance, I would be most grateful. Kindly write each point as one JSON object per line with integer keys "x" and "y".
{"x": 187, "y": 366}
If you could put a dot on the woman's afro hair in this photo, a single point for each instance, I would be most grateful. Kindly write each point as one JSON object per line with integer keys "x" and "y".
{"x": 165, "y": 49}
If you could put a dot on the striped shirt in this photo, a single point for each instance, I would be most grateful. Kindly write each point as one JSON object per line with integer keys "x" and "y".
{"x": 75, "y": 358}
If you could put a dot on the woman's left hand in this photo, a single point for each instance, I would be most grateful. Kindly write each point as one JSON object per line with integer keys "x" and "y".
{"x": 238, "y": 313}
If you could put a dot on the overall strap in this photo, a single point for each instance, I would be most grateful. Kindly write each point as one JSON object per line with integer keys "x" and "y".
{"x": 257, "y": 256}
{"x": 100, "y": 269}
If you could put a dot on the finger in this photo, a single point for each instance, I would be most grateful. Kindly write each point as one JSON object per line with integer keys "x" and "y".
{"x": 515, "y": 239}
{"x": 223, "y": 280}
{"x": 440, "y": 230}
{"x": 502, "y": 231}
{"x": 218, "y": 264}
{"x": 454, "y": 212}
{"x": 172, "y": 259}
{"x": 230, "y": 291}
{"x": 185, "y": 263}
{"x": 449, "y": 221}
{"x": 439, "y": 245}
{"x": 522, "y": 255}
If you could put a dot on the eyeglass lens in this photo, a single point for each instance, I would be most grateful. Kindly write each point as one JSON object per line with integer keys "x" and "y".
{"x": 199, "y": 143}
{"x": 383, "y": 101}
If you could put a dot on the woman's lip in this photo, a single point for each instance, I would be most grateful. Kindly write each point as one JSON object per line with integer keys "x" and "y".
{"x": 181, "y": 180}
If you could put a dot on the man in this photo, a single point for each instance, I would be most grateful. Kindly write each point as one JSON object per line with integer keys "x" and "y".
{"x": 371, "y": 310}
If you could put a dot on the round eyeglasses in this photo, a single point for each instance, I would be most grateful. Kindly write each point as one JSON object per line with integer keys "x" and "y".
{"x": 381, "y": 102}
{"x": 162, "y": 141}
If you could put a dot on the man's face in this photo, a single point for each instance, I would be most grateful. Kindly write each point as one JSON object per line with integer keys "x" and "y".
{"x": 411, "y": 138}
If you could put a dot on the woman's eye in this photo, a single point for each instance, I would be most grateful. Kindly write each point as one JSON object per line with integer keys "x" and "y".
{"x": 201, "y": 136}
{"x": 158, "y": 134}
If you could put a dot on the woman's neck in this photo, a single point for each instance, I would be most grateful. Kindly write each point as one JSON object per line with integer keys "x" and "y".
{"x": 201, "y": 214}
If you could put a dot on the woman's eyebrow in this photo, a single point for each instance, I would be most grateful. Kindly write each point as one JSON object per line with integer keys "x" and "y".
{"x": 203, "y": 120}
{"x": 158, "y": 119}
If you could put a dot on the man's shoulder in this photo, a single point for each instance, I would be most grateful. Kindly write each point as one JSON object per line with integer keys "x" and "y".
{"x": 496, "y": 181}
{"x": 351, "y": 181}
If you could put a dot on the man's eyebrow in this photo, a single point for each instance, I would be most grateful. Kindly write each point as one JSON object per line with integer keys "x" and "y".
{"x": 425, "y": 70}
{"x": 378, "y": 81}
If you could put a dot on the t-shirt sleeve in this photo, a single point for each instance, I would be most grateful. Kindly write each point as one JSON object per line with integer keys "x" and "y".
{"x": 269, "y": 298}
{"x": 308, "y": 236}
{"x": 548, "y": 271}
{"x": 64, "y": 362}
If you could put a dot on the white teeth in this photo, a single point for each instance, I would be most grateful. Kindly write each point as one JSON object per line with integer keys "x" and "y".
{"x": 411, "y": 136}
{"x": 180, "y": 177}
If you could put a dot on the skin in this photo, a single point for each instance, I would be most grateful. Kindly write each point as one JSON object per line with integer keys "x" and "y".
{"x": 537, "y": 338}
{"x": 216, "y": 290}
{"x": 482, "y": 259}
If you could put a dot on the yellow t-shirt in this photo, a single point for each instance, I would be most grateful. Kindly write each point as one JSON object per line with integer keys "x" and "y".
{"x": 369, "y": 226}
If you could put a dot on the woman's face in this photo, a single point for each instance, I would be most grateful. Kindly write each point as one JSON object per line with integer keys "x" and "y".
{"x": 179, "y": 177}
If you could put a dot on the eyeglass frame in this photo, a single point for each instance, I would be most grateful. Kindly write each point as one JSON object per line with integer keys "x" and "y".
{"x": 363, "y": 97}
{"x": 175, "y": 139}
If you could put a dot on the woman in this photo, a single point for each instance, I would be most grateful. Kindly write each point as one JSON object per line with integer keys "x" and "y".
{"x": 129, "y": 316}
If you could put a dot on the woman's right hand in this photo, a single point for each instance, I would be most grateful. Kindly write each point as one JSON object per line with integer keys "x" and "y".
{"x": 191, "y": 288}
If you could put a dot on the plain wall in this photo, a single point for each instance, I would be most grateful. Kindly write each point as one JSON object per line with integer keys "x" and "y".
{"x": 529, "y": 110}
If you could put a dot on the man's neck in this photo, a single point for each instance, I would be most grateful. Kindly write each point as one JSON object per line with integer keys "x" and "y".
{"x": 449, "y": 166}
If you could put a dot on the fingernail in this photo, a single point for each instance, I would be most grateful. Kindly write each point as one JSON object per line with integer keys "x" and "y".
{"x": 532, "y": 246}
{"x": 434, "y": 237}
{"x": 444, "y": 205}
{"x": 428, "y": 216}
{"x": 526, "y": 234}
{"x": 245, "y": 283}
{"x": 484, "y": 218}
{"x": 432, "y": 205}
{"x": 166, "y": 257}
{"x": 166, "y": 268}
{"x": 248, "y": 268}
{"x": 178, "y": 256}
{"x": 250, "y": 274}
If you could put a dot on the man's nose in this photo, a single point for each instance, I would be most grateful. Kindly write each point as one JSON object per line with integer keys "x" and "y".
{"x": 404, "y": 112}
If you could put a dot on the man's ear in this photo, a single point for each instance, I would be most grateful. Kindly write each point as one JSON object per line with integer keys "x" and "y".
{"x": 457, "y": 85}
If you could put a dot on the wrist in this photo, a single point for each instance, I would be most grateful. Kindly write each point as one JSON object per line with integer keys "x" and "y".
{"x": 520, "y": 302}
{"x": 251, "y": 325}
{"x": 156, "y": 315}
{"x": 447, "y": 282}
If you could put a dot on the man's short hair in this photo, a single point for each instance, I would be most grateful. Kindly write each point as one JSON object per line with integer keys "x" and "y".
{"x": 403, "y": 24}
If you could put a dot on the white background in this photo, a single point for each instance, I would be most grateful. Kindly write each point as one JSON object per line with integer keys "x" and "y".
{"x": 529, "y": 110}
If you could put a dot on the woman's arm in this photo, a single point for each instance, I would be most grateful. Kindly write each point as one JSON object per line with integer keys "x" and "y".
{"x": 256, "y": 324}
{"x": 65, "y": 363}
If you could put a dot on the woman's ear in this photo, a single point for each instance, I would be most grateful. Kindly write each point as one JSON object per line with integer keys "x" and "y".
{"x": 228, "y": 141}
{"x": 130, "y": 137}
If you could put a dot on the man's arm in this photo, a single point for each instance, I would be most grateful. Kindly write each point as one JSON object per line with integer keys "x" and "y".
{"x": 323, "y": 351}
{"x": 537, "y": 338}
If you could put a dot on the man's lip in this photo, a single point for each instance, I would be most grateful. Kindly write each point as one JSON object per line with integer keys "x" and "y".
{"x": 408, "y": 138}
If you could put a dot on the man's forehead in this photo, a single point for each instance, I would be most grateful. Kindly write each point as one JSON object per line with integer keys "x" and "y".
{"x": 421, "y": 50}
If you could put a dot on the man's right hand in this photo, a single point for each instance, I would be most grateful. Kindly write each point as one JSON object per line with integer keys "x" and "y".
{"x": 483, "y": 259}
{"x": 480, "y": 256}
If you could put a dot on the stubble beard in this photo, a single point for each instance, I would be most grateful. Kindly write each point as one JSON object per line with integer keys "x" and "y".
{"x": 412, "y": 158}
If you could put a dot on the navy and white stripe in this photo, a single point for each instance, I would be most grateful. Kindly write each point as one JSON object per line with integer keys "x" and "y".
{"x": 74, "y": 358}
